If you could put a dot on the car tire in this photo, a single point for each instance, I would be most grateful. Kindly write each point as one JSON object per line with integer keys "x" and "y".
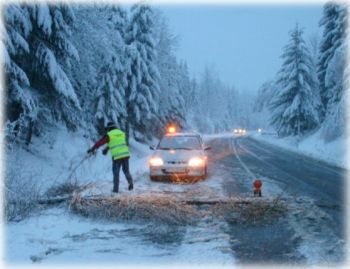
{"x": 205, "y": 174}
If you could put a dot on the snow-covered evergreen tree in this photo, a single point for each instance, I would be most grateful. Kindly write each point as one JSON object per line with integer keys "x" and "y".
{"x": 232, "y": 106}
{"x": 193, "y": 96}
{"x": 261, "y": 107}
{"x": 110, "y": 93}
{"x": 185, "y": 86}
{"x": 118, "y": 21}
{"x": 21, "y": 105}
{"x": 264, "y": 96}
{"x": 51, "y": 53}
{"x": 38, "y": 51}
{"x": 208, "y": 88}
{"x": 335, "y": 117}
{"x": 143, "y": 82}
{"x": 193, "y": 116}
{"x": 171, "y": 105}
{"x": 333, "y": 21}
{"x": 295, "y": 106}
{"x": 332, "y": 66}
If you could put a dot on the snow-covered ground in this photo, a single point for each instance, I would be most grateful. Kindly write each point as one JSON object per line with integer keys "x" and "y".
{"x": 59, "y": 237}
{"x": 53, "y": 162}
{"x": 314, "y": 146}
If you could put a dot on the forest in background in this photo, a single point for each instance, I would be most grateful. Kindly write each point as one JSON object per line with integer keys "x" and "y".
{"x": 309, "y": 92}
{"x": 84, "y": 65}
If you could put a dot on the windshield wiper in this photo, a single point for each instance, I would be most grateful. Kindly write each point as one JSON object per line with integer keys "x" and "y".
{"x": 164, "y": 148}
{"x": 185, "y": 148}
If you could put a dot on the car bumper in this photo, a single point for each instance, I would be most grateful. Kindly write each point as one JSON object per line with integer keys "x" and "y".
{"x": 176, "y": 171}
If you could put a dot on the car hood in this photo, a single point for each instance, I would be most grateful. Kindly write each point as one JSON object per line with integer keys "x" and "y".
{"x": 178, "y": 155}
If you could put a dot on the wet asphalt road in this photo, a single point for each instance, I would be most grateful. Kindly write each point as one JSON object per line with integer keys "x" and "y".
{"x": 241, "y": 159}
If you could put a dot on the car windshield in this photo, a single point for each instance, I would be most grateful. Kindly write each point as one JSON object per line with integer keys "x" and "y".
{"x": 179, "y": 142}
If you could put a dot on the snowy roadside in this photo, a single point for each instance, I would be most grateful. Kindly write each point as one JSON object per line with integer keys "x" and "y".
{"x": 59, "y": 237}
{"x": 312, "y": 146}
{"x": 52, "y": 163}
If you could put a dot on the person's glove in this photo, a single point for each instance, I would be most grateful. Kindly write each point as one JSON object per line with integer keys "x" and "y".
{"x": 91, "y": 151}
{"x": 105, "y": 151}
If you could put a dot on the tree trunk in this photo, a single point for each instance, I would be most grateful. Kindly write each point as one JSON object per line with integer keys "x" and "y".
{"x": 29, "y": 133}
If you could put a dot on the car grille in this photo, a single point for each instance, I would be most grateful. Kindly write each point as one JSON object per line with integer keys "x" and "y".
{"x": 176, "y": 162}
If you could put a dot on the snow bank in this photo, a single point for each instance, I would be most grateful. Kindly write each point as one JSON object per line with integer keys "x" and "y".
{"x": 56, "y": 236}
{"x": 314, "y": 146}
{"x": 52, "y": 160}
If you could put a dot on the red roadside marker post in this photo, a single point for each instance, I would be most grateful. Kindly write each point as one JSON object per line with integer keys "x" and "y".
{"x": 257, "y": 187}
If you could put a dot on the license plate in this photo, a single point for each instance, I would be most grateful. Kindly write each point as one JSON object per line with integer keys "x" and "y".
{"x": 175, "y": 170}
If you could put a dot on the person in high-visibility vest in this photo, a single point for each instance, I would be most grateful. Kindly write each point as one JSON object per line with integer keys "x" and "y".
{"x": 116, "y": 144}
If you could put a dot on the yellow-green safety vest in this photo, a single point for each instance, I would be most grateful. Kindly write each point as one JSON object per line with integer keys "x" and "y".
{"x": 117, "y": 144}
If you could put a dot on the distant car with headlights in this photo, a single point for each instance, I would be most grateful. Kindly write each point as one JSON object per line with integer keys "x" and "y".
{"x": 239, "y": 131}
{"x": 179, "y": 156}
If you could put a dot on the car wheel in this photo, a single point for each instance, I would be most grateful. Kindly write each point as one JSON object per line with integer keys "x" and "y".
{"x": 205, "y": 175}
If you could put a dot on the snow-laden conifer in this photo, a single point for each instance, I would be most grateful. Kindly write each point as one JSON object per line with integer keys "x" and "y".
{"x": 296, "y": 105}
{"x": 332, "y": 69}
{"x": 333, "y": 22}
{"x": 50, "y": 58}
{"x": 143, "y": 82}
{"x": 112, "y": 78}
{"x": 21, "y": 105}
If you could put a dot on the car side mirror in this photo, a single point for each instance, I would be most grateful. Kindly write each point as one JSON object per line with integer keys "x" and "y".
{"x": 207, "y": 148}
{"x": 151, "y": 147}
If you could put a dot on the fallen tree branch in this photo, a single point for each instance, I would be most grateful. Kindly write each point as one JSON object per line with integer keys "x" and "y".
{"x": 55, "y": 200}
{"x": 58, "y": 200}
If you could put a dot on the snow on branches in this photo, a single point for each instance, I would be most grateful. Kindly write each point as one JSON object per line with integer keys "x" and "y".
{"x": 296, "y": 103}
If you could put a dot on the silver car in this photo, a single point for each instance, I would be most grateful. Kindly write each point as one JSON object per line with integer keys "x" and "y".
{"x": 179, "y": 156}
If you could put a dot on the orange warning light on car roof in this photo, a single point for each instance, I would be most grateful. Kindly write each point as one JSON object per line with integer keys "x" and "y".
{"x": 171, "y": 129}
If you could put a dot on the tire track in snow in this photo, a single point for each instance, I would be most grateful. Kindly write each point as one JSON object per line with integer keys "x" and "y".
{"x": 284, "y": 178}
{"x": 313, "y": 226}
{"x": 280, "y": 187}
{"x": 248, "y": 171}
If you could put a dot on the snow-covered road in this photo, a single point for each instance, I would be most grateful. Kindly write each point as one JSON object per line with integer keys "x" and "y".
{"x": 313, "y": 231}
{"x": 310, "y": 232}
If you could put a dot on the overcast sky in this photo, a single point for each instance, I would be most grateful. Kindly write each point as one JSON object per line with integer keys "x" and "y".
{"x": 244, "y": 43}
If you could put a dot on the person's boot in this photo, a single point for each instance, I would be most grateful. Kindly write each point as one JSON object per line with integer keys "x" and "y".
{"x": 131, "y": 186}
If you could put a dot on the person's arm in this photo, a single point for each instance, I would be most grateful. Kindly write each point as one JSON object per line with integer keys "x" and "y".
{"x": 99, "y": 143}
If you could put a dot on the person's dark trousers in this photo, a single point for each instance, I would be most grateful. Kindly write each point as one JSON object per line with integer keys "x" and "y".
{"x": 124, "y": 163}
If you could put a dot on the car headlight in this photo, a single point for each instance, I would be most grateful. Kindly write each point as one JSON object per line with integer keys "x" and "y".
{"x": 196, "y": 162}
{"x": 156, "y": 161}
